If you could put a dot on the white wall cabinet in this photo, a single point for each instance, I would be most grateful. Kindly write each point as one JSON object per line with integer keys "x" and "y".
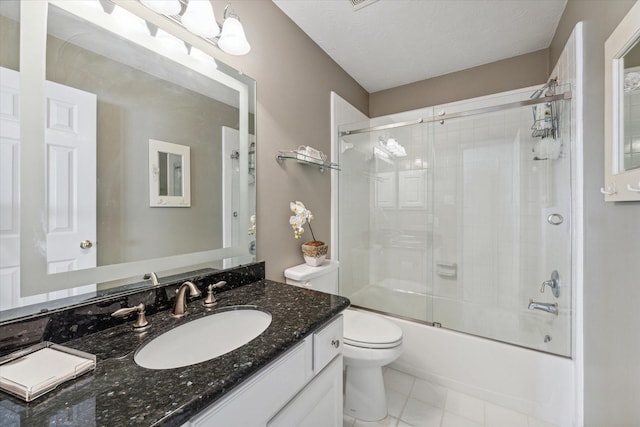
{"x": 303, "y": 385}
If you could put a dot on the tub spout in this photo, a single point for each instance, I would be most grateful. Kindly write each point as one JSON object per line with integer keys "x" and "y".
{"x": 548, "y": 307}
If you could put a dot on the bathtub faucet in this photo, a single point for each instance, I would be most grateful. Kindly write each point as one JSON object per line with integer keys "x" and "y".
{"x": 548, "y": 307}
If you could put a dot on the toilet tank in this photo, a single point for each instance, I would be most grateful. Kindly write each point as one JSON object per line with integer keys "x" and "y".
{"x": 323, "y": 278}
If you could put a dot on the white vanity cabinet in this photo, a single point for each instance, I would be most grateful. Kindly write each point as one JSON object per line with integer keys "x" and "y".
{"x": 303, "y": 387}
{"x": 319, "y": 404}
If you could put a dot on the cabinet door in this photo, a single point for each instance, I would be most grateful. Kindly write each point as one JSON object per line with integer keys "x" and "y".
{"x": 319, "y": 404}
{"x": 261, "y": 396}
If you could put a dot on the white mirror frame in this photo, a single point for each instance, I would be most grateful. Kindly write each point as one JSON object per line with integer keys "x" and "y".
{"x": 619, "y": 185}
{"x": 157, "y": 200}
{"x": 33, "y": 29}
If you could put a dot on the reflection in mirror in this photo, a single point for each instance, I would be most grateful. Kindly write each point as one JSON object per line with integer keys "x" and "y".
{"x": 117, "y": 87}
{"x": 631, "y": 108}
{"x": 169, "y": 174}
{"x": 622, "y": 110}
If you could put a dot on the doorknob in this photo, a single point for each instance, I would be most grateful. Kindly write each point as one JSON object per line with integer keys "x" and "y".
{"x": 86, "y": 244}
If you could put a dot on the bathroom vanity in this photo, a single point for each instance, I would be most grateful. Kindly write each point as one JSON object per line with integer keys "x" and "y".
{"x": 302, "y": 387}
{"x": 290, "y": 373}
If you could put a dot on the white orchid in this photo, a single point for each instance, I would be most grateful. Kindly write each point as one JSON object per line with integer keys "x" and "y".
{"x": 302, "y": 216}
{"x": 252, "y": 229}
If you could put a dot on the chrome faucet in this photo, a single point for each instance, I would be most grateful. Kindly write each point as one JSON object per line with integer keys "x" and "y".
{"x": 180, "y": 307}
{"x": 548, "y": 307}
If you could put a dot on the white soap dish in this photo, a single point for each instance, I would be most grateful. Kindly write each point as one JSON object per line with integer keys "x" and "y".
{"x": 34, "y": 371}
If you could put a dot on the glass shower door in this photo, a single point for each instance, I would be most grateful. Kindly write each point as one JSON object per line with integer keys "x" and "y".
{"x": 501, "y": 227}
{"x": 385, "y": 215}
{"x": 460, "y": 222}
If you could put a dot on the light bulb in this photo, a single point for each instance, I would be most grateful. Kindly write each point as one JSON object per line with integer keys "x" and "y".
{"x": 203, "y": 57}
{"x": 232, "y": 39}
{"x": 170, "y": 43}
{"x": 165, "y": 7}
{"x": 200, "y": 20}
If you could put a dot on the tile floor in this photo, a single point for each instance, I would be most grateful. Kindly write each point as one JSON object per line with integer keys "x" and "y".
{"x": 414, "y": 402}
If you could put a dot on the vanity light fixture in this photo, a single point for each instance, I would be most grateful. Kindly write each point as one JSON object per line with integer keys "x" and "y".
{"x": 198, "y": 17}
{"x": 232, "y": 39}
{"x": 200, "y": 20}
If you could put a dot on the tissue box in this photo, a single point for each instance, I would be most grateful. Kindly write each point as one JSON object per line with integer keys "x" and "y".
{"x": 32, "y": 372}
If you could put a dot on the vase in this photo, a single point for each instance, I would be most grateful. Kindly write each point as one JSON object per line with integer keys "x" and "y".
{"x": 314, "y": 252}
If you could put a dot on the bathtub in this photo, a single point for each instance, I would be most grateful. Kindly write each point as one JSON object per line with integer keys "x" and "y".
{"x": 528, "y": 381}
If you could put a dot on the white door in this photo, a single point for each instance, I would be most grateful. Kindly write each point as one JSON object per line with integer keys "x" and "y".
{"x": 70, "y": 141}
{"x": 232, "y": 228}
{"x": 70, "y": 138}
{"x": 9, "y": 188}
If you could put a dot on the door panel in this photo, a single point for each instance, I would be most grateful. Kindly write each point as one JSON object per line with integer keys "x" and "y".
{"x": 70, "y": 138}
{"x": 71, "y": 159}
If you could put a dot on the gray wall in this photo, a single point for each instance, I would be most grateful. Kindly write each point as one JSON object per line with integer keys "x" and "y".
{"x": 611, "y": 241}
{"x": 512, "y": 73}
{"x": 10, "y": 52}
{"x": 294, "y": 80}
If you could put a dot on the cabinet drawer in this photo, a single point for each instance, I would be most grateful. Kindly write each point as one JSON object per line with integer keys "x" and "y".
{"x": 327, "y": 344}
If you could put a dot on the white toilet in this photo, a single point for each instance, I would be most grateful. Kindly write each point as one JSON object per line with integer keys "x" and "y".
{"x": 370, "y": 342}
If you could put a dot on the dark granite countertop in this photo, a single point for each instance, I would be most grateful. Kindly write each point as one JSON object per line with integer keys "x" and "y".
{"x": 119, "y": 392}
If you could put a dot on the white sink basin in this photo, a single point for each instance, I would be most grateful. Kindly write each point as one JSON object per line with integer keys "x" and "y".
{"x": 203, "y": 339}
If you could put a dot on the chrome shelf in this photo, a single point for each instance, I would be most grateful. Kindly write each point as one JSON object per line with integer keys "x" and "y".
{"x": 303, "y": 158}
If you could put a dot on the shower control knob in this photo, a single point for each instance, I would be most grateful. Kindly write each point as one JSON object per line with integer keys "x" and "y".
{"x": 553, "y": 283}
{"x": 335, "y": 343}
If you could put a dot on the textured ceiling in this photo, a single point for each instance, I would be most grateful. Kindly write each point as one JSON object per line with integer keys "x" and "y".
{"x": 388, "y": 43}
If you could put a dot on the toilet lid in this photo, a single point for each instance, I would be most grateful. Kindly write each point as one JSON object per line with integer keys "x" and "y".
{"x": 370, "y": 331}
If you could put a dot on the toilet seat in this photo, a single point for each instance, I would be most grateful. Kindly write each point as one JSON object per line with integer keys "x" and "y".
{"x": 370, "y": 331}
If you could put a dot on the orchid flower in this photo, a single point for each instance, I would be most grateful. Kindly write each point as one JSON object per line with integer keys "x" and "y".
{"x": 252, "y": 229}
{"x": 302, "y": 216}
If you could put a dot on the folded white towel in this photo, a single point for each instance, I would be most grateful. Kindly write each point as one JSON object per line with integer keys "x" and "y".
{"x": 41, "y": 369}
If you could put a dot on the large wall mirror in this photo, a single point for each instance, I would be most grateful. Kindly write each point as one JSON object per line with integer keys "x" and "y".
{"x": 622, "y": 110}
{"x": 85, "y": 86}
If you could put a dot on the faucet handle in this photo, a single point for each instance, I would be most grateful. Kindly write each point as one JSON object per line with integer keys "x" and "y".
{"x": 141, "y": 322}
{"x": 544, "y": 284}
{"x": 217, "y": 285}
{"x": 211, "y": 299}
{"x": 553, "y": 283}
